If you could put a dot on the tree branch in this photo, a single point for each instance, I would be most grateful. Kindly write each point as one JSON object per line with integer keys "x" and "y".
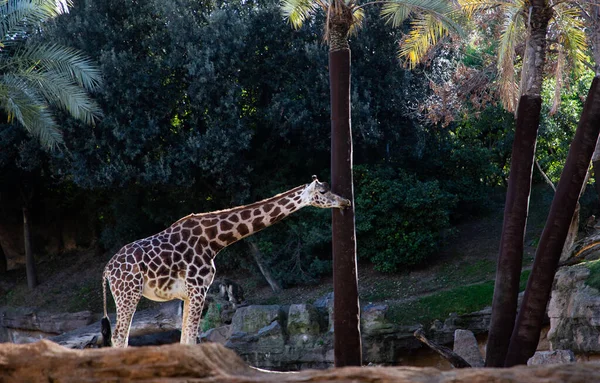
{"x": 456, "y": 360}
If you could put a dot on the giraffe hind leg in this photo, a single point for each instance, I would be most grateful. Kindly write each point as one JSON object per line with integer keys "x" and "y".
{"x": 126, "y": 302}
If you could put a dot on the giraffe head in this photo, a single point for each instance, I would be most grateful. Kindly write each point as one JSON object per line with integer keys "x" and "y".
{"x": 318, "y": 194}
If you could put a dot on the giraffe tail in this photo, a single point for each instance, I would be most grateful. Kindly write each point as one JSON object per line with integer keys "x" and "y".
{"x": 106, "y": 331}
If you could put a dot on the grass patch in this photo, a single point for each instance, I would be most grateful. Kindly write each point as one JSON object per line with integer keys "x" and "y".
{"x": 460, "y": 300}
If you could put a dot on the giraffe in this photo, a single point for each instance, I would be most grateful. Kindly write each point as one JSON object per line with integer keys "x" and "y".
{"x": 178, "y": 262}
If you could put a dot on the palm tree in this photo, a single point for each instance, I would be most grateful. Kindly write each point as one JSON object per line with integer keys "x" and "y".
{"x": 566, "y": 42}
{"x": 525, "y": 336}
{"x": 431, "y": 21}
{"x": 542, "y": 27}
{"x": 36, "y": 76}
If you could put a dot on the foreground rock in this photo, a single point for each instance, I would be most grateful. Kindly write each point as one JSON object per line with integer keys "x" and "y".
{"x": 47, "y": 361}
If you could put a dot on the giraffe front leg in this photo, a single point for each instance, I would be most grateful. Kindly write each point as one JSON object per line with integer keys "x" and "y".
{"x": 192, "y": 313}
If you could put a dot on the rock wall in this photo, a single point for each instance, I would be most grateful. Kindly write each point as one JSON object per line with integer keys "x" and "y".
{"x": 25, "y": 325}
{"x": 45, "y": 361}
{"x": 574, "y": 312}
{"x": 300, "y": 336}
{"x": 284, "y": 338}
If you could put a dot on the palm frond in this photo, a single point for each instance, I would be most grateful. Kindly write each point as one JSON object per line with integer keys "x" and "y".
{"x": 512, "y": 33}
{"x": 17, "y": 15}
{"x": 396, "y": 12}
{"x": 27, "y": 107}
{"x": 570, "y": 30}
{"x": 358, "y": 15}
{"x": 67, "y": 61}
{"x": 60, "y": 91}
{"x": 558, "y": 75}
{"x": 426, "y": 30}
{"x": 471, "y": 7}
{"x": 298, "y": 11}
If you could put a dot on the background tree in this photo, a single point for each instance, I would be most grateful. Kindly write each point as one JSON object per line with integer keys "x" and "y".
{"x": 35, "y": 76}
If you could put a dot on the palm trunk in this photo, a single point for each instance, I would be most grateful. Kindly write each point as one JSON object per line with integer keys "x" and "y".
{"x": 506, "y": 289}
{"x": 346, "y": 323}
{"x": 508, "y": 272}
{"x": 529, "y": 321}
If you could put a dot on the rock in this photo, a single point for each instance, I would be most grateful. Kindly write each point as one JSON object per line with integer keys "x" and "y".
{"x": 465, "y": 345}
{"x": 211, "y": 362}
{"x": 250, "y": 319}
{"x": 302, "y": 319}
{"x": 264, "y": 348}
{"x": 25, "y": 325}
{"x": 373, "y": 320}
{"x": 325, "y": 306}
{"x": 217, "y": 335}
{"x": 551, "y": 357}
{"x": 574, "y": 312}
{"x": 477, "y": 322}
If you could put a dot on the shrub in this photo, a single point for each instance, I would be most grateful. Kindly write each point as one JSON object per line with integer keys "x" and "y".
{"x": 399, "y": 220}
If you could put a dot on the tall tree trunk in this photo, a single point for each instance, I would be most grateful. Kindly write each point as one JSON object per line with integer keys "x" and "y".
{"x": 508, "y": 272}
{"x": 29, "y": 259}
{"x": 346, "y": 310}
{"x": 526, "y": 335}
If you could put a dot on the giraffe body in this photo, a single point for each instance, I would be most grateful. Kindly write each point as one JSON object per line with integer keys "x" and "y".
{"x": 178, "y": 262}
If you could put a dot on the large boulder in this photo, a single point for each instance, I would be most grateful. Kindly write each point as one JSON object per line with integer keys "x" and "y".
{"x": 250, "y": 319}
{"x": 257, "y": 335}
{"x": 303, "y": 319}
{"x": 45, "y": 361}
{"x": 382, "y": 340}
{"x": 25, "y": 325}
{"x": 465, "y": 345}
{"x": 574, "y": 312}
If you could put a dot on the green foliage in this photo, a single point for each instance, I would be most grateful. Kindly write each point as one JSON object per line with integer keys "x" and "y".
{"x": 593, "y": 279}
{"x": 400, "y": 220}
{"x": 212, "y": 318}
{"x": 210, "y": 105}
{"x": 556, "y": 131}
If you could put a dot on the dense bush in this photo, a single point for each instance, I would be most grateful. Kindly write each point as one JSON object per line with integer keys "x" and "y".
{"x": 400, "y": 220}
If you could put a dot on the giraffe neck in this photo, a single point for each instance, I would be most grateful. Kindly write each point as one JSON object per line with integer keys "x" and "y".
{"x": 219, "y": 229}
